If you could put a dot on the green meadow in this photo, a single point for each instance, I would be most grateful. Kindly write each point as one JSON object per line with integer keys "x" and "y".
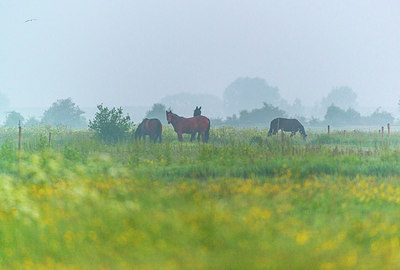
{"x": 242, "y": 201}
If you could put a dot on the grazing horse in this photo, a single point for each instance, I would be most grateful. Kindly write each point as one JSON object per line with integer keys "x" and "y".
{"x": 291, "y": 125}
{"x": 151, "y": 127}
{"x": 192, "y": 125}
{"x": 197, "y": 111}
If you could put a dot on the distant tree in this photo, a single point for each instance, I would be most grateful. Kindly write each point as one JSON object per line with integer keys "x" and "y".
{"x": 31, "y": 122}
{"x": 337, "y": 116}
{"x": 315, "y": 122}
{"x": 64, "y": 112}
{"x": 256, "y": 117}
{"x": 13, "y": 119}
{"x": 248, "y": 93}
{"x": 379, "y": 117}
{"x": 111, "y": 125}
{"x": 157, "y": 111}
{"x": 261, "y": 115}
{"x": 295, "y": 110}
{"x": 343, "y": 97}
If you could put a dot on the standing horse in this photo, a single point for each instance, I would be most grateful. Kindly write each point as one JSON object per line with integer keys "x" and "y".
{"x": 151, "y": 127}
{"x": 291, "y": 125}
{"x": 192, "y": 125}
{"x": 197, "y": 111}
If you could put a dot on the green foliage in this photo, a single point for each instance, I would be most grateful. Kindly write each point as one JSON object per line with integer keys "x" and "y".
{"x": 32, "y": 122}
{"x": 379, "y": 117}
{"x": 14, "y": 119}
{"x": 340, "y": 117}
{"x": 256, "y": 117}
{"x": 65, "y": 113}
{"x": 243, "y": 201}
{"x": 111, "y": 125}
{"x": 157, "y": 111}
{"x": 7, "y": 155}
{"x": 337, "y": 116}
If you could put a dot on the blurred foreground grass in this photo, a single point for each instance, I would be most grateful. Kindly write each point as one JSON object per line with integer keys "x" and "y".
{"x": 243, "y": 201}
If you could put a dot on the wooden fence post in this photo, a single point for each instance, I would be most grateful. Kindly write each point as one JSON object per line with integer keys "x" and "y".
{"x": 19, "y": 135}
{"x": 383, "y": 133}
{"x": 329, "y": 129}
{"x": 344, "y": 132}
{"x": 388, "y": 127}
{"x": 49, "y": 139}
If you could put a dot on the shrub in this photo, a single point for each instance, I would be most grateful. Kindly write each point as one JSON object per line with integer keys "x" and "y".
{"x": 110, "y": 125}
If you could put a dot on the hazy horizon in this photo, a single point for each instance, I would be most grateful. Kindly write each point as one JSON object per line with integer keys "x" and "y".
{"x": 130, "y": 53}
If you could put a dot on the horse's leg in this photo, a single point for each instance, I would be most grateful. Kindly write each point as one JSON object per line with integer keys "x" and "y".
{"x": 198, "y": 136}
{"x": 293, "y": 133}
{"x": 203, "y": 136}
{"x": 180, "y": 138}
{"x": 192, "y": 136}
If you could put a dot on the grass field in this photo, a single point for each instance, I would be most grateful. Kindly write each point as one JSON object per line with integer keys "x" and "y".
{"x": 243, "y": 201}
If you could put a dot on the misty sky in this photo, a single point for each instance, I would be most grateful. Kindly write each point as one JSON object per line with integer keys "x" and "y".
{"x": 135, "y": 52}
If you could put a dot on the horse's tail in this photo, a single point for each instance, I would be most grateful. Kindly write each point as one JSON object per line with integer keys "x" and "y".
{"x": 272, "y": 127}
{"x": 207, "y": 134}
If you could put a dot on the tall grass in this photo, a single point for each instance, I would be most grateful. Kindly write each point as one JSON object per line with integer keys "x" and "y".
{"x": 243, "y": 201}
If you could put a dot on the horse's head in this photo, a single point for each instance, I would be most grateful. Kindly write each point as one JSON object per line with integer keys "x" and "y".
{"x": 303, "y": 132}
{"x": 169, "y": 116}
{"x": 197, "y": 111}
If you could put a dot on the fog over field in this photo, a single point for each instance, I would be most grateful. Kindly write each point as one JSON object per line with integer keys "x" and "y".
{"x": 135, "y": 53}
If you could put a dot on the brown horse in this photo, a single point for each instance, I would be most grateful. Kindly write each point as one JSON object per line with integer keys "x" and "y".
{"x": 151, "y": 127}
{"x": 291, "y": 125}
{"x": 192, "y": 125}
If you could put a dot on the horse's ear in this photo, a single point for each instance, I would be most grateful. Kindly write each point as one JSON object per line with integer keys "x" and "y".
{"x": 200, "y": 108}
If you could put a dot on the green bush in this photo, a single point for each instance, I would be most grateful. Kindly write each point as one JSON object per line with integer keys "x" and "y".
{"x": 111, "y": 125}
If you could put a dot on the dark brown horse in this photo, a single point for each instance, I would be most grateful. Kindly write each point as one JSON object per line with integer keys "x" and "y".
{"x": 192, "y": 125}
{"x": 197, "y": 111}
{"x": 290, "y": 125}
{"x": 151, "y": 127}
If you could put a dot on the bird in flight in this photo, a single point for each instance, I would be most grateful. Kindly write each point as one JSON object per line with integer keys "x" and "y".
{"x": 30, "y": 20}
